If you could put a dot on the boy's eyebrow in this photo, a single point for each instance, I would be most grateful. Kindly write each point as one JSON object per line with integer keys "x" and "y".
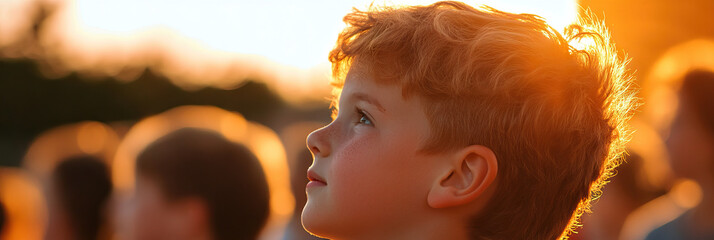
{"x": 368, "y": 99}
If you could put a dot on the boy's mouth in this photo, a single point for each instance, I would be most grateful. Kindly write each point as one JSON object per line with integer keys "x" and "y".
{"x": 314, "y": 178}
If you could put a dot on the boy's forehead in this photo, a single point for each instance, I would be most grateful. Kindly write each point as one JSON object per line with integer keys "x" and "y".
{"x": 362, "y": 78}
{"x": 360, "y": 84}
{"x": 358, "y": 69}
{"x": 357, "y": 87}
{"x": 363, "y": 75}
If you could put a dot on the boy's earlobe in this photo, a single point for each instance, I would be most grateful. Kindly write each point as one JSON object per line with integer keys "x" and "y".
{"x": 472, "y": 171}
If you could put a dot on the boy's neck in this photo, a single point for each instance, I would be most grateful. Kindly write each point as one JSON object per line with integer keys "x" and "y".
{"x": 434, "y": 228}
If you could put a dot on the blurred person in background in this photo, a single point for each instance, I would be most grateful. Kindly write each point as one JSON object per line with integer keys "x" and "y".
{"x": 2, "y": 217}
{"x": 195, "y": 184}
{"x": 625, "y": 192}
{"x": 691, "y": 149}
{"x": 78, "y": 195}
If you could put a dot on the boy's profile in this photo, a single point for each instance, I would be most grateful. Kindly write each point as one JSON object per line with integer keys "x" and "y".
{"x": 462, "y": 123}
{"x": 195, "y": 184}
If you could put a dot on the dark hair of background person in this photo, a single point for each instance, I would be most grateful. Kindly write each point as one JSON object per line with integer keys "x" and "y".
{"x": 83, "y": 187}
{"x": 697, "y": 90}
{"x": 197, "y": 163}
{"x": 2, "y": 217}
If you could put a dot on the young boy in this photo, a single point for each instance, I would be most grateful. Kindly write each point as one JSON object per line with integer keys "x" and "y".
{"x": 464, "y": 123}
{"x": 195, "y": 184}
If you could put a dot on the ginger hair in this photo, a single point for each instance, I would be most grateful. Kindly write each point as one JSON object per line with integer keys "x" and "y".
{"x": 554, "y": 115}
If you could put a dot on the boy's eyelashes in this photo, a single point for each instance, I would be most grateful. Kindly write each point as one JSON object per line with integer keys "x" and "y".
{"x": 363, "y": 117}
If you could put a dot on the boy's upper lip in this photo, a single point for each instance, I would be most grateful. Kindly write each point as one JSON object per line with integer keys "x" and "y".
{"x": 312, "y": 176}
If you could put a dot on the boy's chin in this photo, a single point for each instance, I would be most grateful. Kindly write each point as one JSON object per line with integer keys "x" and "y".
{"x": 314, "y": 220}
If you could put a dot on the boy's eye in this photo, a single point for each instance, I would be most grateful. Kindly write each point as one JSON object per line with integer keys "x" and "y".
{"x": 363, "y": 118}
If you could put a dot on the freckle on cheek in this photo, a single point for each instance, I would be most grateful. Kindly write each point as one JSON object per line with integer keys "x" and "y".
{"x": 353, "y": 153}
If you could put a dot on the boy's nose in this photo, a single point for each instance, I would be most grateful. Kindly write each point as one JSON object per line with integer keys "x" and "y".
{"x": 317, "y": 143}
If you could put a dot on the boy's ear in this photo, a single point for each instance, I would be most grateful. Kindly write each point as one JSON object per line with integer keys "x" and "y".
{"x": 469, "y": 173}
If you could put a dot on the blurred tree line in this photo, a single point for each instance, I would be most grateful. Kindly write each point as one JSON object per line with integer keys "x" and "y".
{"x": 31, "y": 103}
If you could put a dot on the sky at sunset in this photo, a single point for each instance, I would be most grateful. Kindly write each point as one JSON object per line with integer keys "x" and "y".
{"x": 295, "y": 33}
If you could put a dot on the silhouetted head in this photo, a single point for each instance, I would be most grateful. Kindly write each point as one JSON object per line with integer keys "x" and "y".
{"x": 697, "y": 95}
{"x": 81, "y": 187}
{"x": 691, "y": 139}
{"x": 2, "y": 217}
{"x": 192, "y": 181}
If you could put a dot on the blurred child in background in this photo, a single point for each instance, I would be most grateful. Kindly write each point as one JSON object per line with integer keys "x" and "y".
{"x": 691, "y": 149}
{"x": 2, "y": 217}
{"x": 625, "y": 193}
{"x": 195, "y": 184}
{"x": 79, "y": 193}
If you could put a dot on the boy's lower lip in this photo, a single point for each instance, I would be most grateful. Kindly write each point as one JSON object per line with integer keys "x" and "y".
{"x": 315, "y": 184}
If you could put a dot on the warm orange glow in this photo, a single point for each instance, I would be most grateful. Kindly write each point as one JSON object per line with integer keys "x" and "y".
{"x": 267, "y": 146}
{"x": 24, "y": 204}
{"x": 93, "y": 138}
{"x": 684, "y": 195}
{"x": 233, "y": 126}
{"x": 282, "y": 43}
{"x": 294, "y": 137}
{"x": 13, "y": 20}
{"x": 647, "y": 143}
{"x": 134, "y": 141}
{"x": 259, "y": 139}
{"x": 664, "y": 80}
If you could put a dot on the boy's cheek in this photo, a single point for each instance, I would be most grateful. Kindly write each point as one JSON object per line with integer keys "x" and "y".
{"x": 360, "y": 181}
{"x": 351, "y": 172}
